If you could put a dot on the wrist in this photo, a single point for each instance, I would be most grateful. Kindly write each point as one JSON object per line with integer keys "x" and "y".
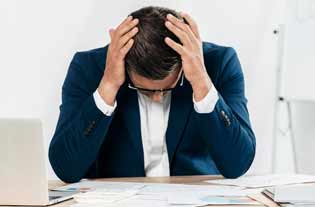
{"x": 201, "y": 88}
{"x": 108, "y": 91}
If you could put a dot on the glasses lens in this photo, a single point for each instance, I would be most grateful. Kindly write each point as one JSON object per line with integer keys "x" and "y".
{"x": 147, "y": 93}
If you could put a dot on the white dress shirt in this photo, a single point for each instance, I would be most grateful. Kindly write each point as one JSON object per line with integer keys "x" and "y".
{"x": 154, "y": 120}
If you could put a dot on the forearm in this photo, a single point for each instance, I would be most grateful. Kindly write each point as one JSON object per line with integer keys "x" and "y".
{"x": 232, "y": 143}
{"x": 77, "y": 141}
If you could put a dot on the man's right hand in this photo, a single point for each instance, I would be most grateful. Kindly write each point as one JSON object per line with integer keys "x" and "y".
{"x": 114, "y": 75}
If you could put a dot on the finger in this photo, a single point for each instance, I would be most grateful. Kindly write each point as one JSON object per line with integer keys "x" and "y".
{"x": 175, "y": 46}
{"x": 126, "y": 27}
{"x": 111, "y": 33}
{"x": 126, "y": 48}
{"x": 183, "y": 26}
{"x": 177, "y": 22}
{"x": 192, "y": 24}
{"x": 128, "y": 19}
{"x": 124, "y": 39}
{"x": 179, "y": 33}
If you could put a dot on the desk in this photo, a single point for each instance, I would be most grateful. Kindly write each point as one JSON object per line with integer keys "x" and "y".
{"x": 196, "y": 180}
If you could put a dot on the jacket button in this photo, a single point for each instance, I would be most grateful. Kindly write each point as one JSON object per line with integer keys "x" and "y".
{"x": 226, "y": 119}
{"x": 86, "y": 132}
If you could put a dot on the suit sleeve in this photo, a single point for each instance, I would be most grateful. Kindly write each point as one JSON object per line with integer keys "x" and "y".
{"x": 231, "y": 139}
{"x": 81, "y": 128}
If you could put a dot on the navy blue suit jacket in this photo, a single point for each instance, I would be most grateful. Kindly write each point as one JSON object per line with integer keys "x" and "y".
{"x": 89, "y": 144}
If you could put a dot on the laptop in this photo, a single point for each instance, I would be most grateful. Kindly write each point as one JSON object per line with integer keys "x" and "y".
{"x": 23, "y": 169}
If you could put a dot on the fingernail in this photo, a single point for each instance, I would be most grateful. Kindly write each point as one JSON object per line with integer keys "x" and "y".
{"x": 169, "y": 16}
{"x": 129, "y": 17}
{"x": 136, "y": 20}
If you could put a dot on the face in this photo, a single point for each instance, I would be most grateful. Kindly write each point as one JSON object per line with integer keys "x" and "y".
{"x": 168, "y": 82}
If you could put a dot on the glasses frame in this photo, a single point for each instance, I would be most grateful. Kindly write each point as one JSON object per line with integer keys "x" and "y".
{"x": 154, "y": 91}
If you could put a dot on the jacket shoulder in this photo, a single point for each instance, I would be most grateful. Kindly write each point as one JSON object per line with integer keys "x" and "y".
{"x": 85, "y": 71}
{"x": 216, "y": 58}
{"x": 213, "y": 51}
{"x": 93, "y": 57}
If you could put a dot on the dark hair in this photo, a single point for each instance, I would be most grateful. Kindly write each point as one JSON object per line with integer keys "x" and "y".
{"x": 150, "y": 56}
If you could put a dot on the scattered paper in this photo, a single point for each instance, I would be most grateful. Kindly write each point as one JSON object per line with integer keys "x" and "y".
{"x": 101, "y": 193}
{"x": 265, "y": 180}
{"x": 152, "y": 188}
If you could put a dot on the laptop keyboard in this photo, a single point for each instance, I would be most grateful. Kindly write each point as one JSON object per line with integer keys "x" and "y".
{"x": 54, "y": 197}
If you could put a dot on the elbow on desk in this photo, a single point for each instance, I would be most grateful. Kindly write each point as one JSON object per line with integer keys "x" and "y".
{"x": 64, "y": 172}
{"x": 240, "y": 167}
{"x": 234, "y": 173}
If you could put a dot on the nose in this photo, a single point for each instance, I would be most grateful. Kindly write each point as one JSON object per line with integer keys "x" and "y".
{"x": 157, "y": 97}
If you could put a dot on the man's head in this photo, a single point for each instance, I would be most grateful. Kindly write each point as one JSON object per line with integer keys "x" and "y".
{"x": 151, "y": 62}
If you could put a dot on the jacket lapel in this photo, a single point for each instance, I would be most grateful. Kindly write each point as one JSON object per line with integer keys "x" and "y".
{"x": 131, "y": 117}
{"x": 181, "y": 106}
{"x": 129, "y": 109}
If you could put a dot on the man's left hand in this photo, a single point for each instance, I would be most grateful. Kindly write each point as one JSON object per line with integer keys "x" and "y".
{"x": 191, "y": 53}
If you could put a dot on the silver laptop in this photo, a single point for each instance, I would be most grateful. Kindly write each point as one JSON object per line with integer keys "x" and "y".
{"x": 23, "y": 170}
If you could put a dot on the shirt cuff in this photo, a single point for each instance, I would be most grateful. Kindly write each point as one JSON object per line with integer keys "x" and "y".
{"x": 102, "y": 105}
{"x": 207, "y": 104}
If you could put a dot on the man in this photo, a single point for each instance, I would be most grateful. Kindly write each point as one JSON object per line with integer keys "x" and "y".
{"x": 163, "y": 103}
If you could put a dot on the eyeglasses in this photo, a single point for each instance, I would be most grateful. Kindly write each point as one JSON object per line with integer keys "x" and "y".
{"x": 160, "y": 91}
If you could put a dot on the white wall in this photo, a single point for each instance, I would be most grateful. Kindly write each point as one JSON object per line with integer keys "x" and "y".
{"x": 39, "y": 38}
{"x": 19, "y": 65}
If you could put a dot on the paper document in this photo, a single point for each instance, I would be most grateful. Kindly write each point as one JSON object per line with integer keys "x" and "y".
{"x": 137, "y": 201}
{"x": 265, "y": 180}
{"x": 217, "y": 200}
{"x": 165, "y": 189}
{"x": 103, "y": 196}
{"x": 86, "y": 185}
{"x": 203, "y": 199}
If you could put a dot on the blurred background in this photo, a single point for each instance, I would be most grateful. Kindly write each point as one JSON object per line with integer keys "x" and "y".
{"x": 273, "y": 39}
